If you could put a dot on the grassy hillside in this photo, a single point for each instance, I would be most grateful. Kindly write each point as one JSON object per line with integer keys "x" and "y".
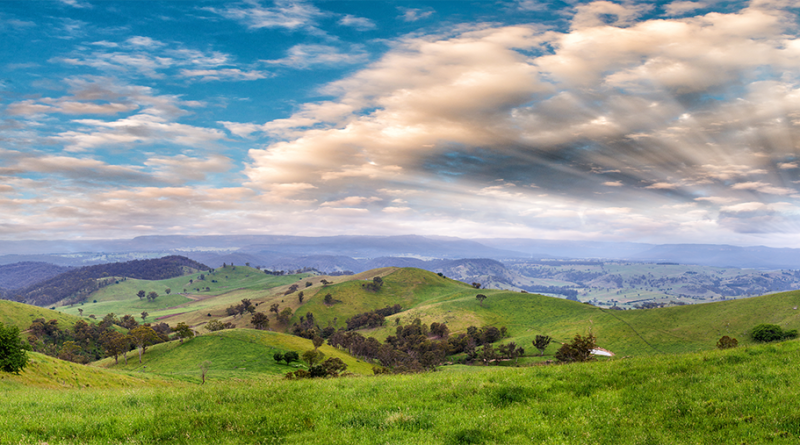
{"x": 226, "y": 286}
{"x": 21, "y": 315}
{"x": 233, "y": 353}
{"x": 432, "y": 298}
{"x": 407, "y": 287}
{"x": 50, "y": 373}
{"x": 746, "y": 395}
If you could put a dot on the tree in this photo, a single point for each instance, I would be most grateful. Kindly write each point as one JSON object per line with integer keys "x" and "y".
{"x": 312, "y": 356}
{"x": 114, "y": 345}
{"x": 183, "y": 330}
{"x": 80, "y": 312}
{"x": 152, "y": 296}
{"x": 727, "y": 342}
{"x": 141, "y": 294}
{"x": 290, "y": 357}
{"x": 476, "y": 285}
{"x": 317, "y": 341}
{"x": 278, "y": 357}
{"x": 274, "y": 308}
{"x": 13, "y": 355}
{"x": 142, "y": 337}
{"x": 541, "y": 342}
{"x": 167, "y": 291}
{"x": 216, "y": 325}
{"x": 285, "y": 315}
{"x": 144, "y": 315}
{"x": 328, "y": 299}
{"x": 260, "y": 321}
{"x": 480, "y": 298}
{"x": 510, "y": 351}
{"x": 300, "y": 297}
{"x": 579, "y": 350}
{"x": 204, "y": 369}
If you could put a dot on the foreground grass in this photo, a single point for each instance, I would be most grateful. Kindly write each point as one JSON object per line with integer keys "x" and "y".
{"x": 747, "y": 395}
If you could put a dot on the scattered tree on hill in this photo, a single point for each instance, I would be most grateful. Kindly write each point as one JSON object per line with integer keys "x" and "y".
{"x": 216, "y": 325}
{"x": 142, "y": 337}
{"x": 115, "y": 344}
{"x": 328, "y": 299}
{"x": 578, "y": 350}
{"x": 128, "y": 322}
{"x": 476, "y": 285}
{"x": 141, "y": 294}
{"x": 312, "y": 356}
{"x": 290, "y": 357}
{"x": 274, "y": 307}
{"x": 771, "y": 332}
{"x": 144, "y": 315}
{"x": 291, "y": 289}
{"x": 480, "y": 298}
{"x": 510, "y": 351}
{"x": 167, "y": 291}
{"x": 183, "y": 330}
{"x": 285, "y": 315}
{"x": 309, "y": 284}
{"x": 13, "y": 355}
{"x": 300, "y": 297}
{"x": 204, "y": 370}
{"x": 325, "y": 282}
{"x": 68, "y": 351}
{"x": 80, "y": 312}
{"x": 375, "y": 285}
{"x": 317, "y": 341}
{"x": 541, "y": 342}
{"x": 152, "y": 295}
{"x": 260, "y": 321}
{"x": 488, "y": 354}
{"x": 726, "y": 342}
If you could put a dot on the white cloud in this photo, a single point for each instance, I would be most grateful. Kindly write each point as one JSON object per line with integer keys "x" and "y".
{"x": 359, "y": 23}
{"x": 763, "y": 187}
{"x": 285, "y": 14}
{"x": 305, "y": 56}
{"x": 414, "y": 14}
{"x": 229, "y": 74}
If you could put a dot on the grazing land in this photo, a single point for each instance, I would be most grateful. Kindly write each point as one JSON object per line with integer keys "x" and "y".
{"x": 744, "y": 395}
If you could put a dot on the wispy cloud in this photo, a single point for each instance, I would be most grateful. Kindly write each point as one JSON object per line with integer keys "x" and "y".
{"x": 305, "y": 56}
{"x": 284, "y": 14}
{"x": 414, "y": 14}
{"x": 359, "y": 23}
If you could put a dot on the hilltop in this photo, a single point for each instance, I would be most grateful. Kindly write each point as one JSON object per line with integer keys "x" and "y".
{"x": 231, "y": 353}
{"x": 21, "y": 315}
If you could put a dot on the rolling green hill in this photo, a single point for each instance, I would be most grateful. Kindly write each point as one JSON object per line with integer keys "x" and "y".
{"x": 51, "y": 373}
{"x": 226, "y": 286}
{"x": 21, "y": 315}
{"x": 233, "y": 353}
{"x": 431, "y": 298}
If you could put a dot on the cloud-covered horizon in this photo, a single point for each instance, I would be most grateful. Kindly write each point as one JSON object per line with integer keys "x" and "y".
{"x": 611, "y": 121}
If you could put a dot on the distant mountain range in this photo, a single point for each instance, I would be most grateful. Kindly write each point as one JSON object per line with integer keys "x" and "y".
{"x": 332, "y": 253}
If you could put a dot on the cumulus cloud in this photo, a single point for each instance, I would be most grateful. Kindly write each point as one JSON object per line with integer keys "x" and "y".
{"x": 616, "y": 94}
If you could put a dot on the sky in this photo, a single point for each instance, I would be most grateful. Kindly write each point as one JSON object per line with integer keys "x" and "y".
{"x": 660, "y": 122}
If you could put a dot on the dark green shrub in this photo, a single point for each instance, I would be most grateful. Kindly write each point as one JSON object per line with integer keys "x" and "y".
{"x": 766, "y": 332}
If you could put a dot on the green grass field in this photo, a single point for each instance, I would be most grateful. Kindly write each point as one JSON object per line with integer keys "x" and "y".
{"x": 744, "y": 396}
